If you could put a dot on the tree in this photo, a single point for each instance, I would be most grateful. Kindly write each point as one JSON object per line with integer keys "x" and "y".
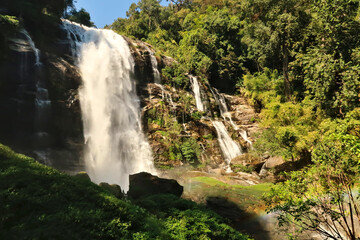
{"x": 274, "y": 31}
{"x": 329, "y": 68}
{"x": 81, "y": 16}
{"x": 321, "y": 198}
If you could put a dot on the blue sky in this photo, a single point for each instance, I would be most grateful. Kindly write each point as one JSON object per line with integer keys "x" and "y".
{"x": 104, "y": 12}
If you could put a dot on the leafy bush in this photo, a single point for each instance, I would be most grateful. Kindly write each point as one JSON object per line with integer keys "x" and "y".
{"x": 38, "y": 202}
{"x": 186, "y": 220}
{"x": 190, "y": 150}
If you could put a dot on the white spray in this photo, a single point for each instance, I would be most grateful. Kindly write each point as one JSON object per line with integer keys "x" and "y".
{"x": 154, "y": 64}
{"x": 116, "y": 146}
{"x": 196, "y": 89}
{"x": 228, "y": 146}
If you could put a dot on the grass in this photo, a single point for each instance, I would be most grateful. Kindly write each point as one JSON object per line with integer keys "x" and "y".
{"x": 248, "y": 198}
{"x": 38, "y": 202}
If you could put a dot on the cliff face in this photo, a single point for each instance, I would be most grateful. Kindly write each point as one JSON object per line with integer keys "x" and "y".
{"x": 41, "y": 114}
{"x": 177, "y": 130}
{"x": 42, "y": 117}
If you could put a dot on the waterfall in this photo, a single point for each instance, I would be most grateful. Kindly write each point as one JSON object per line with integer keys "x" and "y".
{"x": 154, "y": 64}
{"x": 228, "y": 146}
{"x": 220, "y": 100}
{"x": 196, "y": 89}
{"x": 42, "y": 102}
{"x": 243, "y": 134}
{"x": 115, "y": 144}
{"x": 224, "y": 111}
{"x": 166, "y": 96}
{"x": 32, "y": 45}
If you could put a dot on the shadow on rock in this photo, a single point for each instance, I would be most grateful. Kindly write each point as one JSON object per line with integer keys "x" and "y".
{"x": 240, "y": 220}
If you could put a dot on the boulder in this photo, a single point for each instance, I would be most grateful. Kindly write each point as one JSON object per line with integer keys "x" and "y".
{"x": 113, "y": 189}
{"x": 274, "y": 162}
{"x": 83, "y": 175}
{"x": 144, "y": 184}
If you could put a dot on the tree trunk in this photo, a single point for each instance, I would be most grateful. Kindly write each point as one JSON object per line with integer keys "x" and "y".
{"x": 287, "y": 89}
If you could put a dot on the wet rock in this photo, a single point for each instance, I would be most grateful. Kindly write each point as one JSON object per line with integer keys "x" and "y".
{"x": 144, "y": 184}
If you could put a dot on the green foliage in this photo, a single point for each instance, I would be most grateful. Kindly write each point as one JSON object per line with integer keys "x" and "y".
{"x": 190, "y": 150}
{"x": 323, "y": 194}
{"x": 174, "y": 76}
{"x": 40, "y": 202}
{"x": 262, "y": 87}
{"x": 208, "y": 136}
{"x": 186, "y": 220}
{"x": 242, "y": 168}
{"x": 81, "y": 16}
{"x": 196, "y": 115}
{"x": 8, "y": 26}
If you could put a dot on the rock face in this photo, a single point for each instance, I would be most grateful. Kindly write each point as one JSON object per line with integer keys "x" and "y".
{"x": 37, "y": 100}
{"x": 177, "y": 132}
{"x": 144, "y": 184}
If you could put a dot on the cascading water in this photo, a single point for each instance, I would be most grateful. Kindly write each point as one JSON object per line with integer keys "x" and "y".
{"x": 166, "y": 96}
{"x": 154, "y": 64}
{"x": 32, "y": 45}
{"x": 196, "y": 89}
{"x": 228, "y": 146}
{"x": 116, "y": 146}
{"x": 224, "y": 111}
{"x": 243, "y": 134}
{"x": 220, "y": 100}
{"x": 42, "y": 102}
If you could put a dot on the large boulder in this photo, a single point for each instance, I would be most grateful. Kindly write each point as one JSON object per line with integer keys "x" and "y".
{"x": 144, "y": 184}
{"x": 113, "y": 189}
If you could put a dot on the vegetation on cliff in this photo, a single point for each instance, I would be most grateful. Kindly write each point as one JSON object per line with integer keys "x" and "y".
{"x": 298, "y": 63}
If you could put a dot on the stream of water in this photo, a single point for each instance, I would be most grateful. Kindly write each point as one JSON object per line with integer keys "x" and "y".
{"x": 196, "y": 90}
{"x": 115, "y": 143}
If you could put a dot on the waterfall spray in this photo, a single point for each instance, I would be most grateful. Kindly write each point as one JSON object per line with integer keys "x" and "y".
{"x": 115, "y": 144}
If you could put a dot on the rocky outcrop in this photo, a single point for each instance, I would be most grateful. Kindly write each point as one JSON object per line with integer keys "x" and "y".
{"x": 144, "y": 184}
{"x": 114, "y": 189}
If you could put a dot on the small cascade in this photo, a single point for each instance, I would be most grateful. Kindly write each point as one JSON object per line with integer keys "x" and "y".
{"x": 42, "y": 98}
{"x": 243, "y": 134}
{"x": 115, "y": 143}
{"x": 228, "y": 146}
{"x": 220, "y": 100}
{"x": 154, "y": 64}
{"x": 224, "y": 111}
{"x": 196, "y": 89}
{"x": 32, "y": 45}
{"x": 42, "y": 102}
{"x": 166, "y": 96}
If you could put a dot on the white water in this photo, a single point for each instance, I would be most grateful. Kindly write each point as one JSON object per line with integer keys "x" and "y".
{"x": 32, "y": 45}
{"x": 154, "y": 64}
{"x": 224, "y": 111}
{"x": 244, "y": 135}
{"x": 42, "y": 102}
{"x": 166, "y": 96}
{"x": 196, "y": 89}
{"x": 116, "y": 146}
{"x": 226, "y": 115}
{"x": 42, "y": 98}
{"x": 228, "y": 146}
